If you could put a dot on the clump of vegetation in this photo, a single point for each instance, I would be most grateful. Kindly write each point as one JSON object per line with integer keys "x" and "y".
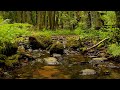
{"x": 8, "y": 35}
{"x": 114, "y": 50}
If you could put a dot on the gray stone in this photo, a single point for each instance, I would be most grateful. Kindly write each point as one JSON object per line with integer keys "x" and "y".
{"x": 39, "y": 60}
{"x": 21, "y": 49}
{"x": 32, "y": 62}
{"x": 111, "y": 65}
{"x": 51, "y": 61}
{"x": 30, "y": 50}
{"x": 56, "y": 55}
{"x": 97, "y": 61}
{"x": 36, "y": 51}
{"x": 88, "y": 72}
{"x": 7, "y": 75}
{"x": 100, "y": 59}
{"x": 24, "y": 64}
{"x": 37, "y": 55}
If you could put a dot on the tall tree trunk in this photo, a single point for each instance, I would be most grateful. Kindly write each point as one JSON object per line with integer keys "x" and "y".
{"x": 87, "y": 19}
{"x": 53, "y": 20}
{"x": 50, "y": 18}
{"x": 28, "y": 20}
{"x": 95, "y": 20}
{"x": 56, "y": 21}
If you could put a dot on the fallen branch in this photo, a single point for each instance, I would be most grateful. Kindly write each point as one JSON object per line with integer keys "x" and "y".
{"x": 96, "y": 45}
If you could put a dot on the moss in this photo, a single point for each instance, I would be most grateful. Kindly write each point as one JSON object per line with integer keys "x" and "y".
{"x": 46, "y": 41}
{"x": 11, "y": 60}
{"x": 57, "y": 47}
{"x": 73, "y": 42}
{"x": 40, "y": 41}
{"x": 9, "y": 49}
{"x": 2, "y": 57}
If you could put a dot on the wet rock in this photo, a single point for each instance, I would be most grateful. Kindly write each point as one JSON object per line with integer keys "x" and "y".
{"x": 70, "y": 65}
{"x": 56, "y": 55}
{"x": 24, "y": 63}
{"x": 57, "y": 47}
{"x": 2, "y": 57}
{"x": 97, "y": 61}
{"x": 100, "y": 59}
{"x": 51, "y": 61}
{"x": 35, "y": 56}
{"x": 32, "y": 62}
{"x": 88, "y": 72}
{"x": 102, "y": 55}
{"x": 36, "y": 51}
{"x": 106, "y": 73}
{"x": 73, "y": 42}
{"x": 30, "y": 50}
{"x": 39, "y": 60}
{"x": 25, "y": 57}
{"x": 111, "y": 65}
{"x": 66, "y": 51}
{"x": 7, "y": 75}
{"x": 34, "y": 43}
{"x": 9, "y": 49}
{"x": 21, "y": 49}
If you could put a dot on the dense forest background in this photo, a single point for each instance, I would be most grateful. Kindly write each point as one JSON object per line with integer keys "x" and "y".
{"x": 64, "y": 19}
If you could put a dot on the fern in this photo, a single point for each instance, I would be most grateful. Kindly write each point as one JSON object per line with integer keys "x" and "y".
{"x": 114, "y": 50}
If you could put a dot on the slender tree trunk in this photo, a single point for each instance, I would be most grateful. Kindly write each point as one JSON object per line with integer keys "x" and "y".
{"x": 95, "y": 20}
{"x": 117, "y": 18}
{"x": 87, "y": 19}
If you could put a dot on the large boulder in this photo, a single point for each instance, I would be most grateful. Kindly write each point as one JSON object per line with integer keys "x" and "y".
{"x": 39, "y": 42}
{"x": 9, "y": 49}
{"x": 57, "y": 47}
{"x": 73, "y": 42}
{"x": 34, "y": 43}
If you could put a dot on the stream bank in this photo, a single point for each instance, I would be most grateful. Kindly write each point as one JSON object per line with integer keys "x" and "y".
{"x": 58, "y": 57}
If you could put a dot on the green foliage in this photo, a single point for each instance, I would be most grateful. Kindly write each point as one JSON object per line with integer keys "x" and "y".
{"x": 114, "y": 50}
{"x": 1, "y": 19}
{"x": 68, "y": 18}
{"x": 109, "y": 18}
{"x": 9, "y": 32}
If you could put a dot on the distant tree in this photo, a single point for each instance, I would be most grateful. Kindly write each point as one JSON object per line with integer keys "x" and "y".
{"x": 117, "y": 18}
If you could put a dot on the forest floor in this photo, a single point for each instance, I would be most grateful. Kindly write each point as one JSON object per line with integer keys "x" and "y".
{"x": 72, "y": 64}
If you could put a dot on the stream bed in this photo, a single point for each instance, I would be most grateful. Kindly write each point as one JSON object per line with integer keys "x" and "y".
{"x": 41, "y": 64}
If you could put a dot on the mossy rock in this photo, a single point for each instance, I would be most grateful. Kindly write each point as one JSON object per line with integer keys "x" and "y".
{"x": 9, "y": 49}
{"x": 40, "y": 42}
{"x": 11, "y": 60}
{"x": 20, "y": 39}
{"x": 2, "y": 57}
{"x": 57, "y": 47}
{"x": 45, "y": 40}
{"x": 73, "y": 42}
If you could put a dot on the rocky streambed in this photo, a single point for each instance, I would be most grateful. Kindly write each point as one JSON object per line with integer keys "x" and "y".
{"x": 58, "y": 59}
